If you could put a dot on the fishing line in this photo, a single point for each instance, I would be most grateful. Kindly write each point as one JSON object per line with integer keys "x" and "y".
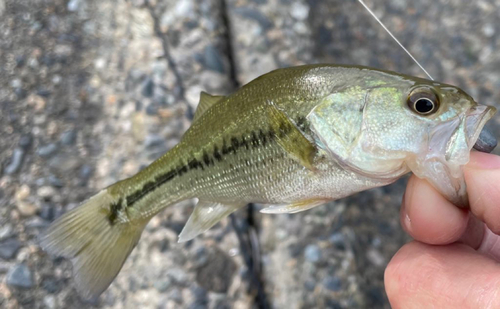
{"x": 395, "y": 39}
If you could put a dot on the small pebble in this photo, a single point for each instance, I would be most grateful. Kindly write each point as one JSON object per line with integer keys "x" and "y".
{"x": 25, "y": 141}
{"x": 49, "y": 301}
{"x": 55, "y": 182}
{"x": 148, "y": 87}
{"x": 338, "y": 241}
{"x": 20, "y": 276}
{"x": 200, "y": 297}
{"x": 163, "y": 284}
{"x": 47, "y": 212}
{"x": 26, "y": 209}
{"x": 299, "y": 11}
{"x": 68, "y": 138}
{"x": 332, "y": 283}
{"x": 213, "y": 59}
{"x": 312, "y": 253}
{"x": 51, "y": 285}
{"x": 9, "y": 248}
{"x": 46, "y": 191}
{"x": 152, "y": 109}
{"x": 85, "y": 173}
{"x": 47, "y": 150}
{"x": 175, "y": 295}
{"x": 5, "y": 231}
{"x": 178, "y": 276}
{"x": 15, "y": 161}
{"x": 74, "y": 5}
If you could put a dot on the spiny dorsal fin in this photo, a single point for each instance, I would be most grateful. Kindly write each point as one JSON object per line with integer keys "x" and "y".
{"x": 294, "y": 207}
{"x": 205, "y": 215}
{"x": 290, "y": 138}
{"x": 206, "y": 101}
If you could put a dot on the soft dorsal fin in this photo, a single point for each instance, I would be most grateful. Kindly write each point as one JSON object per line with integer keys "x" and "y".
{"x": 290, "y": 138}
{"x": 205, "y": 215}
{"x": 206, "y": 101}
{"x": 293, "y": 207}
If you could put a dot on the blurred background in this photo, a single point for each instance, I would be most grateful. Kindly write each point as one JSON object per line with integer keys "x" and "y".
{"x": 92, "y": 91}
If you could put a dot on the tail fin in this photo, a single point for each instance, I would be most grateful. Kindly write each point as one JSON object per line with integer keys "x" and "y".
{"x": 97, "y": 248}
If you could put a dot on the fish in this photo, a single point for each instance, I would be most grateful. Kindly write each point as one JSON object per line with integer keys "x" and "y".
{"x": 291, "y": 140}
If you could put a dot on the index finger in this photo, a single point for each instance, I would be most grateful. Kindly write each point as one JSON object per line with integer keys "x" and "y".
{"x": 482, "y": 176}
{"x": 428, "y": 217}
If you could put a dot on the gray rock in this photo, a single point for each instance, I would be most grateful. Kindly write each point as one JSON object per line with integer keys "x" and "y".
{"x": 332, "y": 283}
{"x": 312, "y": 253}
{"x": 54, "y": 181}
{"x": 85, "y": 173}
{"x": 8, "y": 248}
{"x": 75, "y": 5}
{"x": 147, "y": 88}
{"x": 200, "y": 257}
{"x": 50, "y": 301}
{"x": 299, "y": 11}
{"x": 47, "y": 150}
{"x": 178, "y": 276}
{"x": 15, "y": 161}
{"x": 152, "y": 109}
{"x": 5, "y": 231}
{"x": 153, "y": 140}
{"x": 338, "y": 240}
{"x": 163, "y": 284}
{"x": 213, "y": 59}
{"x": 175, "y": 295}
{"x": 200, "y": 298}
{"x": 62, "y": 163}
{"x": 68, "y": 137}
{"x": 51, "y": 284}
{"x": 25, "y": 141}
{"x": 47, "y": 212}
{"x": 20, "y": 276}
{"x": 309, "y": 285}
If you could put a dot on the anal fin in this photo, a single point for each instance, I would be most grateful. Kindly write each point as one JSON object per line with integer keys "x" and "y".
{"x": 294, "y": 207}
{"x": 205, "y": 215}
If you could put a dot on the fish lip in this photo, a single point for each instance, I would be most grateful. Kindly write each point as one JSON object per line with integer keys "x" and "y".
{"x": 448, "y": 150}
{"x": 479, "y": 114}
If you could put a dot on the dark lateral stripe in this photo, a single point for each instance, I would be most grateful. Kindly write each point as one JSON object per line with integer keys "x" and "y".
{"x": 114, "y": 209}
{"x": 256, "y": 139}
{"x": 150, "y": 186}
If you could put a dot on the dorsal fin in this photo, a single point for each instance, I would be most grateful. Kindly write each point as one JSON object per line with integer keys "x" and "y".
{"x": 206, "y": 101}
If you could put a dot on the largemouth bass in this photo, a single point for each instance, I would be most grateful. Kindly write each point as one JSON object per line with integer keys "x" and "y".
{"x": 292, "y": 139}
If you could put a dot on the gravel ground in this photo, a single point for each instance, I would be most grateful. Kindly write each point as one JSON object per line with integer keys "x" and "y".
{"x": 92, "y": 91}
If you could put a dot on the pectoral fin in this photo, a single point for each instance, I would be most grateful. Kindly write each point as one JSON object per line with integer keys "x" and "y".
{"x": 290, "y": 138}
{"x": 294, "y": 207}
{"x": 206, "y": 101}
{"x": 205, "y": 215}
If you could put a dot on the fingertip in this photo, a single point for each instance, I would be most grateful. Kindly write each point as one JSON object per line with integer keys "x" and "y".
{"x": 428, "y": 217}
{"x": 482, "y": 176}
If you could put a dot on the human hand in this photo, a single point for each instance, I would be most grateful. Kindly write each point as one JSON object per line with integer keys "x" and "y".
{"x": 454, "y": 260}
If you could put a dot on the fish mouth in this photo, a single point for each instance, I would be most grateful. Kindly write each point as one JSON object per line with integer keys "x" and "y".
{"x": 448, "y": 150}
{"x": 484, "y": 140}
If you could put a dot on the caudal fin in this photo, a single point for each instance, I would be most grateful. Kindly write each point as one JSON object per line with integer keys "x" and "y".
{"x": 96, "y": 247}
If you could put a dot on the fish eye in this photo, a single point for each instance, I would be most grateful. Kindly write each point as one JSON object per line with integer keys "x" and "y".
{"x": 423, "y": 102}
